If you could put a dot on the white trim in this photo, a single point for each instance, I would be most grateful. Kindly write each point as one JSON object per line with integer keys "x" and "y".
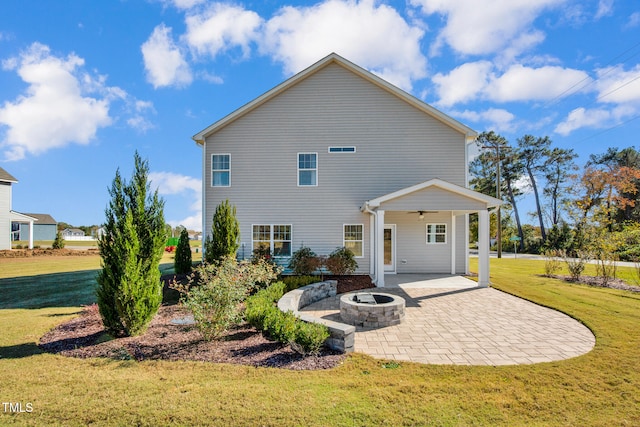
{"x": 453, "y": 243}
{"x": 361, "y": 241}
{"x": 436, "y": 182}
{"x": 220, "y": 170}
{"x": 309, "y": 169}
{"x": 380, "y": 248}
{"x": 271, "y": 239}
{"x": 340, "y": 148}
{"x": 435, "y": 233}
{"x": 483, "y": 248}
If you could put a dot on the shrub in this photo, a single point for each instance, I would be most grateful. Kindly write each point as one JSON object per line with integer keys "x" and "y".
{"x": 280, "y": 326}
{"x": 309, "y": 338}
{"x": 341, "y": 261}
{"x": 304, "y": 261}
{"x": 214, "y": 293}
{"x": 182, "y": 260}
{"x": 129, "y": 291}
{"x": 225, "y": 234}
{"x": 58, "y": 243}
{"x": 552, "y": 262}
{"x": 260, "y": 305}
{"x": 295, "y": 282}
{"x": 576, "y": 265}
{"x": 606, "y": 267}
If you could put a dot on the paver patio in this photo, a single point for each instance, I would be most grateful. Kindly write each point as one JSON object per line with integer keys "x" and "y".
{"x": 449, "y": 320}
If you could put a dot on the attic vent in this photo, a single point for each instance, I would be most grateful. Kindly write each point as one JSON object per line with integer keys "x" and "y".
{"x": 342, "y": 149}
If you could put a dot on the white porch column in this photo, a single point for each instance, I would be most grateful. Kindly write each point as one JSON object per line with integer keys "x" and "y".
{"x": 483, "y": 248}
{"x": 453, "y": 243}
{"x": 30, "y": 234}
{"x": 380, "y": 249}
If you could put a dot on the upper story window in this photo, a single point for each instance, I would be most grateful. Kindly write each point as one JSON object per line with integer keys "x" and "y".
{"x": 436, "y": 233}
{"x": 221, "y": 170}
{"x": 307, "y": 169}
{"x": 342, "y": 149}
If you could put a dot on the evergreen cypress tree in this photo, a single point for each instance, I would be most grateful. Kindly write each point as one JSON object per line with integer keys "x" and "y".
{"x": 225, "y": 233}
{"x": 182, "y": 260}
{"x": 58, "y": 243}
{"x": 129, "y": 290}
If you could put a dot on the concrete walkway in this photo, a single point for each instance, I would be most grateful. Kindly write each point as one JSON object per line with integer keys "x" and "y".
{"x": 449, "y": 320}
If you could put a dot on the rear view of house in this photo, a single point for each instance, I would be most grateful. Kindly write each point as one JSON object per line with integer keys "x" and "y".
{"x": 336, "y": 156}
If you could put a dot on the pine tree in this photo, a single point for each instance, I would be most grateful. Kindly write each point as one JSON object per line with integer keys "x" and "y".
{"x": 225, "y": 233}
{"x": 182, "y": 260}
{"x": 129, "y": 290}
{"x": 58, "y": 243}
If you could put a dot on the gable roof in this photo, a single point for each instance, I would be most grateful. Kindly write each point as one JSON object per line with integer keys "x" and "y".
{"x": 6, "y": 176}
{"x": 335, "y": 59}
{"x": 437, "y": 183}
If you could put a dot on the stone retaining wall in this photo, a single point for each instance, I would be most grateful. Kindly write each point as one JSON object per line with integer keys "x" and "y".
{"x": 342, "y": 337}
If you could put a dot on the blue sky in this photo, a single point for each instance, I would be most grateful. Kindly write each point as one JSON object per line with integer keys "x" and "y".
{"x": 85, "y": 84}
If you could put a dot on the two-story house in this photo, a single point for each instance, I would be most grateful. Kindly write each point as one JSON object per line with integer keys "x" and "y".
{"x": 336, "y": 156}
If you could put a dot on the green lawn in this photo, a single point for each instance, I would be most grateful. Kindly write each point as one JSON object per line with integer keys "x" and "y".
{"x": 601, "y": 388}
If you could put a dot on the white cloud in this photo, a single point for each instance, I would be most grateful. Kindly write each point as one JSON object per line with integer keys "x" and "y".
{"x": 480, "y": 81}
{"x": 172, "y": 184}
{"x": 634, "y": 20}
{"x": 490, "y": 27}
{"x": 463, "y": 83}
{"x": 374, "y": 36}
{"x": 496, "y": 119}
{"x": 163, "y": 60}
{"x": 617, "y": 85}
{"x": 605, "y": 8}
{"x": 520, "y": 83}
{"x": 221, "y": 27}
{"x": 55, "y": 110}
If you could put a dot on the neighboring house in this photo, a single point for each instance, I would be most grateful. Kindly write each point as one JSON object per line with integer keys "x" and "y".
{"x": 70, "y": 233}
{"x": 8, "y": 216}
{"x": 336, "y": 156}
{"x": 45, "y": 228}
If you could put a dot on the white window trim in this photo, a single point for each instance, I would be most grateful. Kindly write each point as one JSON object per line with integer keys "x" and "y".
{"x": 435, "y": 224}
{"x": 315, "y": 169}
{"x": 341, "y": 152}
{"x": 344, "y": 241}
{"x": 271, "y": 241}
{"x": 220, "y": 170}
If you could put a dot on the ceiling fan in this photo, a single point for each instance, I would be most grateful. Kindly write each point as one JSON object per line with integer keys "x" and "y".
{"x": 421, "y": 213}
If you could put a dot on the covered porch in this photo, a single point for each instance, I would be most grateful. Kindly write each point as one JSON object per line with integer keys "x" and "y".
{"x": 425, "y": 229}
{"x": 18, "y": 218}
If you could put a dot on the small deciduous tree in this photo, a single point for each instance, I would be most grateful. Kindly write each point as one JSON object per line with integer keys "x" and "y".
{"x": 129, "y": 291}
{"x": 225, "y": 234}
{"x": 182, "y": 260}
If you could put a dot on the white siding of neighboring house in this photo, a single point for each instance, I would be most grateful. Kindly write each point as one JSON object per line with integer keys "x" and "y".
{"x": 5, "y": 220}
{"x": 397, "y": 146}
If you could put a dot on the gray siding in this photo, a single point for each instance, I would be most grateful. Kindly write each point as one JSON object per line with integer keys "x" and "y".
{"x": 432, "y": 199}
{"x": 40, "y": 231}
{"x": 5, "y": 220}
{"x": 397, "y": 146}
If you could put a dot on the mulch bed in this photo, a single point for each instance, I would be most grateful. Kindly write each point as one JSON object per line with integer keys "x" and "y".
{"x": 26, "y": 253}
{"x": 84, "y": 337}
{"x": 597, "y": 282}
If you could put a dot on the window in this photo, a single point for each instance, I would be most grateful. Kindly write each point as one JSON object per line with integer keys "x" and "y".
{"x": 275, "y": 237}
{"x": 353, "y": 239}
{"x": 342, "y": 149}
{"x": 307, "y": 169}
{"x": 221, "y": 170}
{"x": 436, "y": 233}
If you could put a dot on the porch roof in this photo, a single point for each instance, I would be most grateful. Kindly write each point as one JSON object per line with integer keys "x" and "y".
{"x": 452, "y": 190}
{"x": 18, "y": 217}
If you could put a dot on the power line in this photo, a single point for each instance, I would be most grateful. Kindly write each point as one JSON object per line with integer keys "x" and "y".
{"x": 608, "y": 129}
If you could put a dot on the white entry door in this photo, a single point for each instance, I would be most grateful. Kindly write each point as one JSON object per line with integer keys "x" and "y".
{"x": 390, "y": 248}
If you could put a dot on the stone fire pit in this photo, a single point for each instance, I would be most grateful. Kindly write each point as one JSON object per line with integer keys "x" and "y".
{"x": 371, "y": 309}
